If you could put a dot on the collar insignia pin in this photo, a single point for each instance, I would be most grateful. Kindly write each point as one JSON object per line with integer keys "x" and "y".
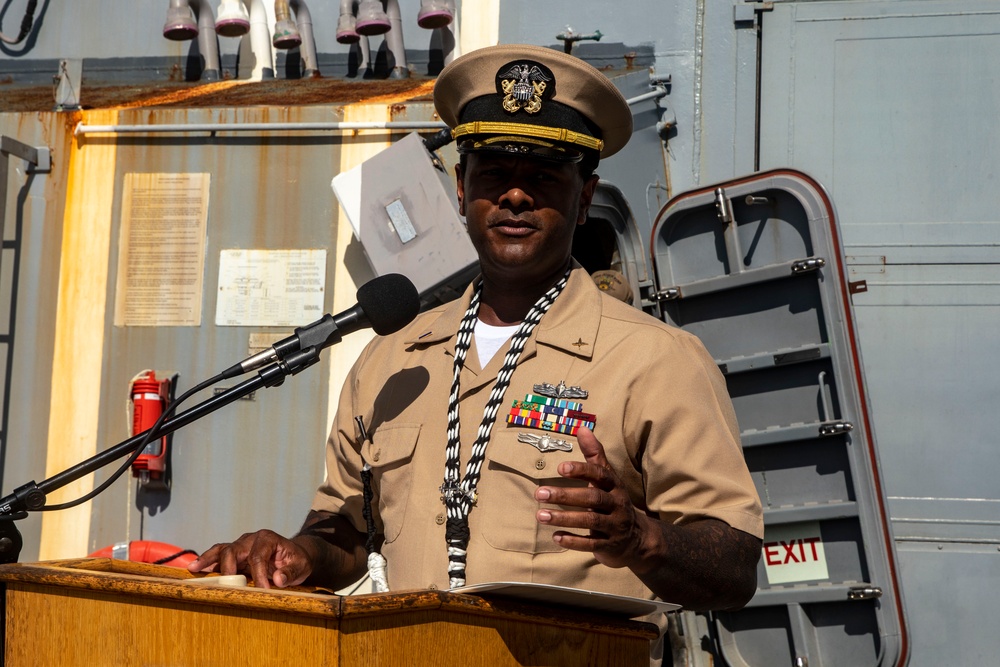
{"x": 580, "y": 344}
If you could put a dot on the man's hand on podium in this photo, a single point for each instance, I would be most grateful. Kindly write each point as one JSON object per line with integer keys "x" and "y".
{"x": 327, "y": 552}
{"x": 265, "y": 556}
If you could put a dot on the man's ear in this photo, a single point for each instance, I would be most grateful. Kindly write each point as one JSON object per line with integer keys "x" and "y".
{"x": 586, "y": 197}
{"x": 460, "y": 189}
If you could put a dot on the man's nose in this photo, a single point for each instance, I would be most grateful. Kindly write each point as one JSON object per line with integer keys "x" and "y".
{"x": 516, "y": 198}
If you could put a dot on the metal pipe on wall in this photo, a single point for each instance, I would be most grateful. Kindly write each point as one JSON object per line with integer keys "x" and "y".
{"x": 180, "y": 26}
{"x": 232, "y": 19}
{"x": 435, "y": 14}
{"x": 286, "y": 34}
{"x": 372, "y": 19}
{"x": 382, "y": 17}
{"x": 207, "y": 41}
{"x": 347, "y": 34}
{"x": 347, "y": 23}
{"x": 394, "y": 40}
{"x": 365, "y": 64}
{"x": 82, "y": 129}
{"x": 308, "y": 47}
{"x": 416, "y": 125}
{"x": 260, "y": 42}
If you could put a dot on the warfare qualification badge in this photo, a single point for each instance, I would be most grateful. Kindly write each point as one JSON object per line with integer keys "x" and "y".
{"x": 523, "y": 87}
{"x": 545, "y": 442}
{"x": 560, "y": 390}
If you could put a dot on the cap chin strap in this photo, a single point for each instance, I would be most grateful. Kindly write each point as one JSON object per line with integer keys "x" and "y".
{"x": 522, "y": 147}
{"x": 524, "y": 129}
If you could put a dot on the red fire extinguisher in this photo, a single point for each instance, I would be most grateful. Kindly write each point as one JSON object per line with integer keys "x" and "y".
{"x": 150, "y": 397}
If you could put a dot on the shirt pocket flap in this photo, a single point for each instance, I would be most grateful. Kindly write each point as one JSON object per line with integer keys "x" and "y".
{"x": 509, "y": 452}
{"x": 391, "y": 445}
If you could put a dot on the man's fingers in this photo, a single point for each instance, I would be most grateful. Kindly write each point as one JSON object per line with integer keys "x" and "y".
{"x": 262, "y": 557}
{"x": 611, "y": 543}
{"x": 589, "y": 497}
{"x": 577, "y": 542}
{"x": 583, "y": 521}
{"x": 229, "y": 560}
{"x": 289, "y": 575}
{"x": 259, "y": 569}
{"x": 205, "y": 562}
{"x": 591, "y": 447}
{"x": 596, "y": 470}
{"x": 595, "y": 545}
{"x": 259, "y": 555}
{"x": 291, "y": 565}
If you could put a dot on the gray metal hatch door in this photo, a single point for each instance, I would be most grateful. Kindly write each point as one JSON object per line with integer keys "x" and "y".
{"x": 754, "y": 267}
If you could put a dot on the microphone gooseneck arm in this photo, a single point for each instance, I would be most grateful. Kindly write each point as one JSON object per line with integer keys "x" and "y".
{"x": 387, "y": 303}
{"x": 31, "y": 496}
{"x": 321, "y": 334}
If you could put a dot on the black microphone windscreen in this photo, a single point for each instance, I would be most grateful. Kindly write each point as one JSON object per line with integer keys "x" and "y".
{"x": 390, "y": 302}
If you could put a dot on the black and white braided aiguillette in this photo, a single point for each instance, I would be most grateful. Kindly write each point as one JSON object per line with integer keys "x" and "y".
{"x": 459, "y": 495}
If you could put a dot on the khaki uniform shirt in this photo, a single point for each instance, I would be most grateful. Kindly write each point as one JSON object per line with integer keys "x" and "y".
{"x": 663, "y": 416}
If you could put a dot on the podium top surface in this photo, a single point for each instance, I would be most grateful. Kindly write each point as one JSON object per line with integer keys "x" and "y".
{"x": 170, "y": 584}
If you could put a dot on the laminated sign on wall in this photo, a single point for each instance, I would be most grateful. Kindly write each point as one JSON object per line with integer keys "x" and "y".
{"x": 270, "y": 288}
{"x": 161, "y": 254}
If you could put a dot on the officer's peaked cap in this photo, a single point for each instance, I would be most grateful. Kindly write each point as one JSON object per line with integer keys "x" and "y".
{"x": 531, "y": 99}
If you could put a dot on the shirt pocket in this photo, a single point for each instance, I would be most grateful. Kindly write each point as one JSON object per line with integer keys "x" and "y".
{"x": 390, "y": 454}
{"x": 513, "y": 471}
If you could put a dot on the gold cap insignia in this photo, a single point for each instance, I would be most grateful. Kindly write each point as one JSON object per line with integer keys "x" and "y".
{"x": 523, "y": 86}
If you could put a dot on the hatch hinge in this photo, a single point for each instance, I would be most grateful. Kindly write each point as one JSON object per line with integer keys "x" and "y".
{"x": 809, "y": 264}
{"x": 668, "y": 294}
{"x": 864, "y": 593}
{"x": 723, "y": 207}
{"x": 835, "y": 428}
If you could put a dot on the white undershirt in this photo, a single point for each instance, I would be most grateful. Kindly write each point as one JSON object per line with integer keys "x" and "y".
{"x": 489, "y": 339}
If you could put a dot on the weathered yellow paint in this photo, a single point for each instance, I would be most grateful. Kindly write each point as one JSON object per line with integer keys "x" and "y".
{"x": 479, "y": 25}
{"x": 363, "y": 146}
{"x": 79, "y": 337}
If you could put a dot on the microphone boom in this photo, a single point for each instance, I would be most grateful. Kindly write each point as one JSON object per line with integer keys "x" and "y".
{"x": 386, "y": 304}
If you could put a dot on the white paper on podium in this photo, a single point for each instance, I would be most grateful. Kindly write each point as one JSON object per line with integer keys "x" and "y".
{"x": 569, "y": 597}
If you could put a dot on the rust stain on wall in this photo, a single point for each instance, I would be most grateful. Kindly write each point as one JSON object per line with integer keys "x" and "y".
{"x": 285, "y": 92}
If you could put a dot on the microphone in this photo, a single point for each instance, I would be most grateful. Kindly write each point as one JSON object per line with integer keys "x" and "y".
{"x": 386, "y": 304}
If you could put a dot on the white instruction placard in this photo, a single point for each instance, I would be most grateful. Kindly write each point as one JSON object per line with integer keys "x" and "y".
{"x": 794, "y": 552}
{"x": 270, "y": 288}
{"x": 161, "y": 249}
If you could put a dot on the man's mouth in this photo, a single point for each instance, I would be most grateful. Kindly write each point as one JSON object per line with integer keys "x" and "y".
{"x": 513, "y": 227}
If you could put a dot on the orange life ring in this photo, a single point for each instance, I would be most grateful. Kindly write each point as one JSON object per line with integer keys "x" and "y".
{"x": 147, "y": 551}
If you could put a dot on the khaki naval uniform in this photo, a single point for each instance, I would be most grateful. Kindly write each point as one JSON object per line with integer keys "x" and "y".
{"x": 663, "y": 416}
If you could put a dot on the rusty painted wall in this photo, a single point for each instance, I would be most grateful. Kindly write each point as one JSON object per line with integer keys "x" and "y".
{"x": 253, "y": 464}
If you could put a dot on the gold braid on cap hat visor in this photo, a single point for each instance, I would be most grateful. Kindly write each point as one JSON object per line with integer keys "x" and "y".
{"x": 524, "y": 129}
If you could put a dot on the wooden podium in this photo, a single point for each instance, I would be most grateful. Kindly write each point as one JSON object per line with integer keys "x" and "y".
{"x": 108, "y": 612}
